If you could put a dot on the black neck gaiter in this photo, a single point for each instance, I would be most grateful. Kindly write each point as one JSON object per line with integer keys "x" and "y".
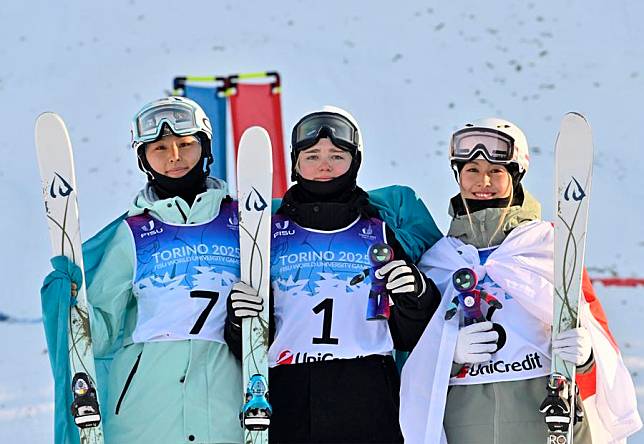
{"x": 186, "y": 187}
{"x": 329, "y": 205}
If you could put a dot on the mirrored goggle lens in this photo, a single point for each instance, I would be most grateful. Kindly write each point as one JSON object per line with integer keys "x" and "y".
{"x": 180, "y": 119}
{"x": 341, "y": 130}
{"x": 497, "y": 147}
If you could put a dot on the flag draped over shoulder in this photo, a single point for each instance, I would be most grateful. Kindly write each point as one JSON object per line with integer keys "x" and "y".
{"x": 56, "y": 300}
{"x": 522, "y": 267}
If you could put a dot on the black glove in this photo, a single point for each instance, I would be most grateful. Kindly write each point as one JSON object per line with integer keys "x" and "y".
{"x": 402, "y": 278}
{"x": 243, "y": 302}
{"x": 494, "y": 303}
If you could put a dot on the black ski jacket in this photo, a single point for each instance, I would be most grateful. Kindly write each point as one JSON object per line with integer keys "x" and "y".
{"x": 344, "y": 400}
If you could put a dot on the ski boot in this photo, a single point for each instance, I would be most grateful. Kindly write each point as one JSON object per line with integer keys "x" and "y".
{"x": 85, "y": 406}
{"x": 256, "y": 412}
{"x": 556, "y": 406}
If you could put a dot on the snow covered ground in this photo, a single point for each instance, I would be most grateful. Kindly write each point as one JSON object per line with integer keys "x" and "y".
{"x": 26, "y": 386}
{"x": 411, "y": 73}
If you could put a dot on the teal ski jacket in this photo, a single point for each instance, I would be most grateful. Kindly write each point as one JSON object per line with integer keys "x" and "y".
{"x": 176, "y": 391}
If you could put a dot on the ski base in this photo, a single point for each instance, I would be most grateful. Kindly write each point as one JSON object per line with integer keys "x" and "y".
{"x": 254, "y": 187}
{"x": 56, "y": 164}
{"x": 573, "y": 174}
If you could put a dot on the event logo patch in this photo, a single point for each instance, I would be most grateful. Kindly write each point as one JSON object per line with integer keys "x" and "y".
{"x": 150, "y": 230}
{"x": 283, "y": 230}
{"x": 367, "y": 233}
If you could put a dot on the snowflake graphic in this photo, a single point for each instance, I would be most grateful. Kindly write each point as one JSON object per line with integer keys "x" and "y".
{"x": 329, "y": 283}
{"x": 293, "y": 288}
{"x": 214, "y": 281}
{"x": 150, "y": 284}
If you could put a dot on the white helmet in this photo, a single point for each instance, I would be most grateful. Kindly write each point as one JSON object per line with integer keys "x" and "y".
{"x": 497, "y": 140}
{"x": 184, "y": 117}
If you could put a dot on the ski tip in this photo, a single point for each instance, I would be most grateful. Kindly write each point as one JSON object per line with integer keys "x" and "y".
{"x": 49, "y": 120}
{"x": 48, "y": 116}
{"x": 575, "y": 115}
{"x": 255, "y": 145}
{"x": 575, "y": 123}
{"x": 49, "y": 130}
{"x": 574, "y": 134}
{"x": 254, "y": 131}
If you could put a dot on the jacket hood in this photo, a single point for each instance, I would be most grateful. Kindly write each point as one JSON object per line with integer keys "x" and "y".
{"x": 166, "y": 209}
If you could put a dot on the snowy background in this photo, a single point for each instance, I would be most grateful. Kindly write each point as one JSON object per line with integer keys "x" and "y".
{"x": 411, "y": 72}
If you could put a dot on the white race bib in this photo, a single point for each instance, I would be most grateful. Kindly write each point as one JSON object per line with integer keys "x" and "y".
{"x": 183, "y": 276}
{"x": 319, "y": 314}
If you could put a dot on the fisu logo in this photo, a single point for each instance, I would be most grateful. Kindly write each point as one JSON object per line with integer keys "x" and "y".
{"x": 282, "y": 229}
{"x": 282, "y": 225}
{"x": 149, "y": 229}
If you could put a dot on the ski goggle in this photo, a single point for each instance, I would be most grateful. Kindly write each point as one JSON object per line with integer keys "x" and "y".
{"x": 179, "y": 117}
{"x": 312, "y": 128}
{"x": 494, "y": 146}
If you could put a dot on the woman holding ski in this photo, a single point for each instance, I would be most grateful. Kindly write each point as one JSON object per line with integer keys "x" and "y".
{"x": 154, "y": 282}
{"x": 345, "y": 292}
{"x": 481, "y": 376}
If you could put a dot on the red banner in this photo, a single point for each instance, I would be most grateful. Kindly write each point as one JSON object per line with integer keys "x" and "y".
{"x": 618, "y": 282}
{"x": 255, "y": 104}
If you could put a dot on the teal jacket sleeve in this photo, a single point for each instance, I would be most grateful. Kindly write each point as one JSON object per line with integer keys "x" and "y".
{"x": 56, "y": 301}
{"x": 110, "y": 291}
{"x": 406, "y": 214}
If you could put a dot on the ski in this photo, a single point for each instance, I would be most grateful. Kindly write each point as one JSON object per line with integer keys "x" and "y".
{"x": 55, "y": 159}
{"x": 254, "y": 185}
{"x": 573, "y": 171}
